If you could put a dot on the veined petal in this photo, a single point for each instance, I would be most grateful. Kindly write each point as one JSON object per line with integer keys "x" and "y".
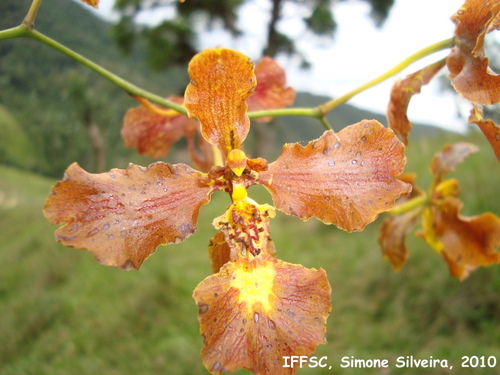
{"x": 344, "y": 178}
{"x": 254, "y": 312}
{"x": 221, "y": 81}
{"x": 123, "y": 215}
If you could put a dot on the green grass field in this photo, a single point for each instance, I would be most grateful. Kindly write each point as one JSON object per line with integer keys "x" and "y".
{"x": 62, "y": 313}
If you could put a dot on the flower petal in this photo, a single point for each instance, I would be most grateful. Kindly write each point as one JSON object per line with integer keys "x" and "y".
{"x": 221, "y": 81}
{"x": 123, "y": 215}
{"x": 489, "y": 129}
{"x": 153, "y": 134}
{"x": 254, "y": 312}
{"x": 394, "y": 229}
{"x": 469, "y": 67}
{"x": 402, "y": 92}
{"x": 464, "y": 242}
{"x": 346, "y": 178}
{"x": 392, "y": 237}
{"x": 271, "y": 91}
{"x": 449, "y": 158}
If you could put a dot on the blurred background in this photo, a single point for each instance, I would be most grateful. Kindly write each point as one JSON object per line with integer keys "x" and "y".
{"x": 63, "y": 313}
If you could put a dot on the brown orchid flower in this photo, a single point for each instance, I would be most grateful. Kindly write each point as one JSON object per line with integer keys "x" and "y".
{"x": 255, "y": 308}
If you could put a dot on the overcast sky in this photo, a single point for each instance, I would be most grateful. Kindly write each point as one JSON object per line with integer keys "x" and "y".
{"x": 358, "y": 53}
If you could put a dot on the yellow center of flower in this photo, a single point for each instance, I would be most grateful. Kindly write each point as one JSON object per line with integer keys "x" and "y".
{"x": 239, "y": 192}
{"x": 255, "y": 284}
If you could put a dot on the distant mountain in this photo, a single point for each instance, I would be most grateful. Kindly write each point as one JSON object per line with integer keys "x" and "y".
{"x": 51, "y": 97}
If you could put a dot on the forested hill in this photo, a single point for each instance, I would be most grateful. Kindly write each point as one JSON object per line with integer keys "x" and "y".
{"x": 48, "y": 101}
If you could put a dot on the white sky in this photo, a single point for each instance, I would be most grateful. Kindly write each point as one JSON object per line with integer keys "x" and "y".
{"x": 358, "y": 53}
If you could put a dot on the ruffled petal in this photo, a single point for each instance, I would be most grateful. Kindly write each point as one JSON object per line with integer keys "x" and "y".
{"x": 344, "y": 178}
{"x": 254, "y": 312}
{"x": 464, "y": 242}
{"x": 221, "y": 81}
{"x": 123, "y": 215}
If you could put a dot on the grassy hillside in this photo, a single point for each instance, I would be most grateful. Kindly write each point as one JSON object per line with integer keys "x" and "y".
{"x": 64, "y": 314}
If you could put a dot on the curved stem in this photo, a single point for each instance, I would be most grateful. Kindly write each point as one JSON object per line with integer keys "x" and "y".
{"x": 447, "y": 43}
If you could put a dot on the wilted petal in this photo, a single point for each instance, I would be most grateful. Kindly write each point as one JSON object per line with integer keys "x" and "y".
{"x": 344, "y": 178}
{"x": 123, "y": 215}
{"x": 221, "y": 81}
{"x": 449, "y": 158}
{"x": 469, "y": 67}
{"x": 402, "y": 92}
{"x": 489, "y": 129}
{"x": 271, "y": 91}
{"x": 152, "y": 133}
{"x": 254, "y": 312}
{"x": 394, "y": 229}
{"x": 464, "y": 242}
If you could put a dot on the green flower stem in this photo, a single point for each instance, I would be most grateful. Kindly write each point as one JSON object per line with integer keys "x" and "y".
{"x": 420, "y": 201}
{"x": 444, "y": 44}
{"x": 307, "y": 112}
{"x": 29, "y": 20}
{"x": 23, "y": 31}
{"x": 14, "y": 32}
{"x": 325, "y": 123}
